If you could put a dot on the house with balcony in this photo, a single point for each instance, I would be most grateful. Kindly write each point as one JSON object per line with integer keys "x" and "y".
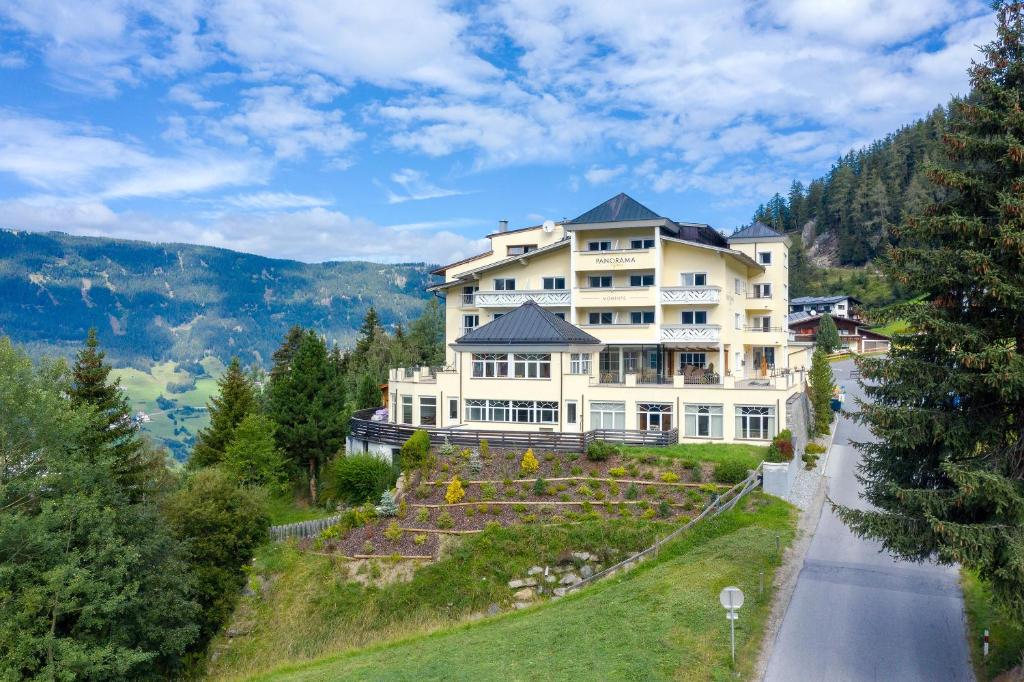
{"x": 620, "y": 322}
{"x": 836, "y": 306}
{"x": 854, "y": 336}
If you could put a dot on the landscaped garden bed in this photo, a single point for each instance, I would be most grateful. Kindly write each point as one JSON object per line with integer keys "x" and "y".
{"x": 456, "y": 491}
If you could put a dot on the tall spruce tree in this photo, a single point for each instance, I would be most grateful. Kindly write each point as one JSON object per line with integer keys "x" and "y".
{"x": 827, "y": 338}
{"x": 115, "y": 430}
{"x": 236, "y": 397}
{"x": 946, "y": 474}
{"x": 307, "y": 401}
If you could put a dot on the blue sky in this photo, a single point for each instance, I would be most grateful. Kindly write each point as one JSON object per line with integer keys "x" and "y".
{"x": 395, "y": 131}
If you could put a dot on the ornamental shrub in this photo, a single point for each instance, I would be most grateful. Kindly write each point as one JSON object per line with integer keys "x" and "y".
{"x": 414, "y": 451}
{"x": 387, "y": 507}
{"x": 540, "y": 487}
{"x": 485, "y": 449}
{"x": 529, "y": 463}
{"x": 814, "y": 449}
{"x": 599, "y": 450}
{"x": 617, "y": 472}
{"x": 670, "y": 477}
{"x": 488, "y": 491}
{"x": 447, "y": 450}
{"x": 632, "y": 492}
{"x": 393, "y": 532}
{"x": 476, "y": 463}
{"x": 664, "y": 509}
{"x": 455, "y": 492}
{"x": 423, "y": 515}
{"x": 730, "y": 471}
{"x": 419, "y": 538}
{"x": 781, "y": 448}
{"x": 445, "y": 521}
{"x": 358, "y": 478}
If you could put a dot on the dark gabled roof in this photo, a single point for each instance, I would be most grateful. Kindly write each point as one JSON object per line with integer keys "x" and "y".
{"x": 618, "y": 208}
{"x": 800, "y": 316}
{"x": 757, "y": 230}
{"x": 529, "y": 324}
{"x": 821, "y": 300}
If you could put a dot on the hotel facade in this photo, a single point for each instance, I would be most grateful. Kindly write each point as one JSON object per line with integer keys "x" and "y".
{"x": 619, "y": 321}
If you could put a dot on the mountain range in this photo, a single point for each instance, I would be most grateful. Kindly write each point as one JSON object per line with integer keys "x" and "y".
{"x": 181, "y": 302}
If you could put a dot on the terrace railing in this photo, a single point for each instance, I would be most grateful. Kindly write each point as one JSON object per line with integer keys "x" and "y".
{"x": 362, "y": 427}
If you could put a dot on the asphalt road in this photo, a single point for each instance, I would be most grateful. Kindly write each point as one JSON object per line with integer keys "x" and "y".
{"x": 857, "y": 613}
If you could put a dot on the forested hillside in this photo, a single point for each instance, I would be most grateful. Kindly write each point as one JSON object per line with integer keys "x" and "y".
{"x": 846, "y": 218}
{"x": 181, "y": 302}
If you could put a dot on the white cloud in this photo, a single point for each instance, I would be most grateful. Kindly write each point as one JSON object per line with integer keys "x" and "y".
{"x": 187, "y": 94}
{"x": 415, "y": 187}
{"x": 261, "y": 201}
{"x": 66, "y": 160}
{"x": 599, "y": 176}
{"x": 312, "y": 235}
{"x": 12, "y": 60}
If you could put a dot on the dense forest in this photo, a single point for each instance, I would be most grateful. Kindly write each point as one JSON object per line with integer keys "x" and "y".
{"x": 181, "y": 302}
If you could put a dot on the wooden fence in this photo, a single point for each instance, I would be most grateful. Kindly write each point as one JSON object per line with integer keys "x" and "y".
{"x": 722, "y": 503}
{"x": 362, "y": 427}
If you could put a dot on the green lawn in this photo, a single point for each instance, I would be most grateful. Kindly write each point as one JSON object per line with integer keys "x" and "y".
{"x": 660, "y": 621}
{"x": 284, "y": 510}
{"x": 1006, "y": 637}
{"x": 751, "y": 455}
{"x": 892, "y": 328}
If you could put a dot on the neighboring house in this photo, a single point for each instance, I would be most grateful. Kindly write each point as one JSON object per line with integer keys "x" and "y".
{"x": 853, "y": 334}
{"x": 836, "y": 306}
{"x": 620, "y": 320}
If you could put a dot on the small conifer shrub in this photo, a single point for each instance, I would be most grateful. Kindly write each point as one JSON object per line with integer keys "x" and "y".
{"x": 455, "y": 491}
{"x": 529, "y": 463}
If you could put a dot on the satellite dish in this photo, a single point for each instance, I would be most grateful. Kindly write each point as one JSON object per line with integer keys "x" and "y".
{"x": 549, "y": 226}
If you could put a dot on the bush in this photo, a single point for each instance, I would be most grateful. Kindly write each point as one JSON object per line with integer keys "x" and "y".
{"x": 617, "y": 472}
{"x": 445, "y": 521}
{"x": 540, "y": 487}
{"x": 664, "y": 509}
{"x": 476, "y": 463}
{"x": 670, "y": 477}
{"x": 387, "y": 507}
{"x": 447, "y": 450}
{"x": 810, "y": 461}
{"x": 415, "y": 450}
{"x": 358, "y": 478}
{"x": 730, "y": 471}
{"x": 781, "y": 448}
{"x": 529, "y": 463}
{"x": 419, "y": 538}
{"x": 585, "y": 490}
{"x": 599, "y": 450}
{"x": 632, "y": 492}
{"x": 455, "y": 492}
{"x": 393, "y": 532}
{"x": 488, "y": 491}
{"x": 423, "y": 515}
{"x": 814, "y": 449}
{"x": 485, "y": 449}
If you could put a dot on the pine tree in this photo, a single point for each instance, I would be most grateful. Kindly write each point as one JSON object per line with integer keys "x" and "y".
{"x": 827, "y": 338}
{"x": 115, "y": 430}
{"x": 822, "y": 384}
{"x": 368, "y": 393}
{"x": 283, "y": 355}
{"x": 946, "y": 473}
{"x": 252, "y": 456}
{"x": 236, "y": 397}
{"x": 307, "y": 402}
{"x": 367, "y": 332}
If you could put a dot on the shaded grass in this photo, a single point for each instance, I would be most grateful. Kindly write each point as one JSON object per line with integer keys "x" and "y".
{"x": 750, "y": 455}
{"x": 1006, "y": 637}
{"x": 315, "y": 609}
{"x": 284, "y": 510}
{"x": 660, "y": 621}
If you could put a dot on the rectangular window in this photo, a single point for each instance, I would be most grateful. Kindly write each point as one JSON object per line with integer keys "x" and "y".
{"x": 407, "y": 409}
{"x": 695, "y": 317}
{"x": 631, "y": 361}
{"x": 505, "y": 284}
{"x": 762, "y": 322}
{"x": 738, "y": 283}
{"x": 641, "y": 280}
{"x": 601, "y": 318}
{"x": 600, "y": 281}
{"x": 739, "y": 321}
{"x": 579, "y": 363}
{"x": 554, "y": 282}
{"x": 694, "y": 279}
{"x": 762, "y": 290}
{"x": 654, "y": 416}
{"x": 641, "y": 244}
{"x": 641, "y": 317}
{"x": 703, "y": 421}
{"x": 428, "y": 410}
{"x": 560, "y": 316}
{"x": 570, "y": 411}
{"x": 599, "y": 246}
{"x": 692, "y": 360}
{"x": 755, "y": 422}
{"x": 764, "y": 257}
{"x": 608, "y": 366}
{"x": 606, "y": 415}
{"x": 490, "y": 365}
{"x": 453, "y": 409}
{"x": 520, "y": 249}
{"x": 470, "y": 322}
{"x": 523, "y": 411}
{"x": 468, "y": 297}
{"x": 532, "y": 365}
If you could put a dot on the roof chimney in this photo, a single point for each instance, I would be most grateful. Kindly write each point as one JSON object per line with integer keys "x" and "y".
{"x": 502, "y": 226}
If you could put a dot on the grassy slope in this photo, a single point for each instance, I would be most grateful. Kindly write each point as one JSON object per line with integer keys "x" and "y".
{"x": 284, "y": 510}
{"x": 661, "y": 621}
{"x": 1006, "y": 638}
{"x": 751, "y": 455}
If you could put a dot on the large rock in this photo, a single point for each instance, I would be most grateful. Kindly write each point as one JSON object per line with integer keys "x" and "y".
{"x": 550, "y": 578}
{"x": 525, "y": 594}
{"x": 523, "y": 582}
{"x": 559, "y": 591}
{"x": 583, "y": 556}
{"x": 586, "y": 571}
{"x": 570, "y": 579}
{"x": 535, "y": 570}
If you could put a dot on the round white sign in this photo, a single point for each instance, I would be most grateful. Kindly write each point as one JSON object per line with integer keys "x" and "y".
{"x": 731, "y": 598}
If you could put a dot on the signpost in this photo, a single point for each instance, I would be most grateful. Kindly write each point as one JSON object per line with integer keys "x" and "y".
{"x": 731, "y": 599}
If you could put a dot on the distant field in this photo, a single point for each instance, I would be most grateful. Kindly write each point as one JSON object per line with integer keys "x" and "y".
{"x": 176, "y": 418}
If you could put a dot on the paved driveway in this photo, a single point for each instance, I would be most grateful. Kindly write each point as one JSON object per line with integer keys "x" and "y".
{"x": 857, "y": 613}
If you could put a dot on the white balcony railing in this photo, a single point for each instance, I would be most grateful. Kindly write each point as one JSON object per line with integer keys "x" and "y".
{"x": 691, "y": 332}
{"x": 688, "y": 295}
{"x": 512, "y": 299}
